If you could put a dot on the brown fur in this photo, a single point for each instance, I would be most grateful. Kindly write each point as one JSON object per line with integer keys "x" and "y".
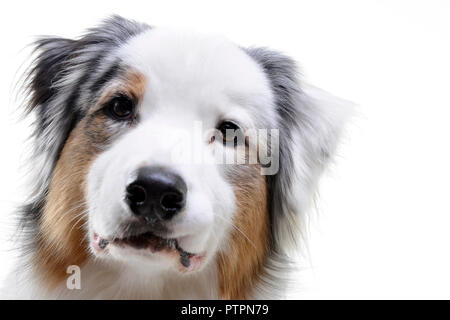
{"x": 62, "y": 238}
{"x": 240, "y": 266}
{"x": 134, "y": 84}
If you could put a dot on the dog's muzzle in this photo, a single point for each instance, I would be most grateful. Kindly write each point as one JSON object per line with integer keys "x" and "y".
{"x": 155, "y": 196}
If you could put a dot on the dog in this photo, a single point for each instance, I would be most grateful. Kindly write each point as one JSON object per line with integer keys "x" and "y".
{"x": 130, "y": 199}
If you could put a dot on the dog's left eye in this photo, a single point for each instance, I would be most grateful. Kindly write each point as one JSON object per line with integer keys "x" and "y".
{"x": 229, "y": 131}
{"x": 120, "y": 108}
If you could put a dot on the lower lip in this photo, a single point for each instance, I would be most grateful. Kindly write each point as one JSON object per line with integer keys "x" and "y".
{"x": 193, "y": 263}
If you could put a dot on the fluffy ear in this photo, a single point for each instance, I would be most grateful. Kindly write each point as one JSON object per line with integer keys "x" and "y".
{"x": 310, "y": 124}
{"x": 58, "y": 82}
{"x": 52, "y": 119}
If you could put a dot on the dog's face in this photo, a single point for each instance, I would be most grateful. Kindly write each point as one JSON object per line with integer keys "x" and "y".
{"x": 166, "y": 150}
{"x": 147, "y": 198}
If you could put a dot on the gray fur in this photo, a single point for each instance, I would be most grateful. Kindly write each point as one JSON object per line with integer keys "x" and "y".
{"x": 309, "y": 131}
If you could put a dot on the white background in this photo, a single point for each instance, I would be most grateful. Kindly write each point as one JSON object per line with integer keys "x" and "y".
{"x": 382, "y": 229}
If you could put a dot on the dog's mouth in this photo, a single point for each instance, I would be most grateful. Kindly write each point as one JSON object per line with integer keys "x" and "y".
{"x": 149, "y": 242}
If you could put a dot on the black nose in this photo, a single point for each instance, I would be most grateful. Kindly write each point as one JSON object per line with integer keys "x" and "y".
{"x": 157, "y": 194}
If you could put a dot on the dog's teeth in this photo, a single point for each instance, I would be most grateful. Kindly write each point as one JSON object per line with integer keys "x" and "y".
{"x": 103, "y": 243}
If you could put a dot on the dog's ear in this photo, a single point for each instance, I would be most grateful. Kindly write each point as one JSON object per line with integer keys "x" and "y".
{"x": 310, "y": 123}
{"x": 59, "y": 82}
{"x": 52, "y": 56}
{"x": 44, "y": 85}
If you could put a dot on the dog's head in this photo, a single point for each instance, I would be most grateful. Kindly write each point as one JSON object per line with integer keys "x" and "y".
{"x": 165, "y": 150}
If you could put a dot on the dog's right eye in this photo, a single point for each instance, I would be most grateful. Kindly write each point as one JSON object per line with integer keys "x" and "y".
{"x": 120, "y": 108}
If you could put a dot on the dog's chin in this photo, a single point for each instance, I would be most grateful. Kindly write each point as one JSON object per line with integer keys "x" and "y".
{"x": 150, "y": 250}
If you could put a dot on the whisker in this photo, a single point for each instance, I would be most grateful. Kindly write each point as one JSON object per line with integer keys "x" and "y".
{"x": 81, "y": 216}
{"x": 237, "y": 228}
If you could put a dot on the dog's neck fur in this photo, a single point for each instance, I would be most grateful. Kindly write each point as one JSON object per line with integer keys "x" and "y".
{"x": 100, "y": 280}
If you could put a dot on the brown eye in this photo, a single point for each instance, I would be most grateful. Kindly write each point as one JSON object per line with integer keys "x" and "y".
{"x": 228, "y": 130}
{"x": 120, "y": 108}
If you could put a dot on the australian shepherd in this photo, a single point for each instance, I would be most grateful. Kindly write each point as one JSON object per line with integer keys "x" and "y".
{"x": 167, "y": 165}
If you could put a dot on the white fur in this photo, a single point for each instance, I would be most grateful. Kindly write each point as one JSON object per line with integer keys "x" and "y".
{"x": 207, "y": 80}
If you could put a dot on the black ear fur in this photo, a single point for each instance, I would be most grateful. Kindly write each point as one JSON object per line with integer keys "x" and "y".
{"x": 53, "y": 54}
